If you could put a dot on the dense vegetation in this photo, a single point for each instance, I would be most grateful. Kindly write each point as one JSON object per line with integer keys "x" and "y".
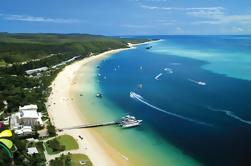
{"x": 21, "y": 52}
{"x": 25, "y": 47}
{"x": 39, "y": 50}
{"x": 21, "y": 157}
{"x": 53, "y": 146}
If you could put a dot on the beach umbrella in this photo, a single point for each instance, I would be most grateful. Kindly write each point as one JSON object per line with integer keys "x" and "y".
{"x": 6, "y": 144}
{"x": 6, "y": 133}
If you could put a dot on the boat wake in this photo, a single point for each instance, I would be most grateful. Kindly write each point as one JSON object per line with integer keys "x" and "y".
{"x": 157, "y": 77}
{"x": 230, "y": 114}
{"x": 175, "y": 64}
{"x": 138, "y": 97}
{"x": 197, "y": 82}
{"x": 169, "y": 70}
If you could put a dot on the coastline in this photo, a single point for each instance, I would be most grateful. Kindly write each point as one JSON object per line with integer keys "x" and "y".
{"x": 63, "y": 110}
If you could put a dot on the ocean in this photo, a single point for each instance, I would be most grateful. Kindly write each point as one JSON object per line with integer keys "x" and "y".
{"x": 193, "y": 94}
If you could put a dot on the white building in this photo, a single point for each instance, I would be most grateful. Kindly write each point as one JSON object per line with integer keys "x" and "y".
{"x": 23, "y": 130}
{"x": 32, "y": 150}
{"x": 26, "y": 118}
{"x": 41, "y": 69}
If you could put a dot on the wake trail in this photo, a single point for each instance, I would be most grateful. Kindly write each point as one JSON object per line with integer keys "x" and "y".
{"x": 197, "y": 82}
{"x": 168, "y": 70}
{"x": 230, "y": 114}
{"x": 157, "y": 77}
{"x": 138, "y": 97}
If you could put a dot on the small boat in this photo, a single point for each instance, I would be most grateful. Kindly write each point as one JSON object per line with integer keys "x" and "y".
{"x": 140, "y": 85}
{"x": 197, "y": 82}
{"x": 149, "y": 47}
{"x": 99, "y": 95}
{"x": 201, "y": 83}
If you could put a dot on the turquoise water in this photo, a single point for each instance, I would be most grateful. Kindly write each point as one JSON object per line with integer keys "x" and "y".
{"x": 193, "y": 94}
{"x": 137, "y": 146}
{"x": 228, "y": 55}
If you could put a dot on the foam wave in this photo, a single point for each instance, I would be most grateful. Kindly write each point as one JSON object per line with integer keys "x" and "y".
{"x": 138, "y": 97}
{"x": 157, "y": 77}
{"x": 169, "y": 70}
{"x": 230, "y": 114}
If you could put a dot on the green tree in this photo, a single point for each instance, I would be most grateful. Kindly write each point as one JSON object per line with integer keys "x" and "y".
{"x": 51, "y": 130}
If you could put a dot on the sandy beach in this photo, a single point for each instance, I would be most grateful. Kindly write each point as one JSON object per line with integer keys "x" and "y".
{"x": 64, "y": 111}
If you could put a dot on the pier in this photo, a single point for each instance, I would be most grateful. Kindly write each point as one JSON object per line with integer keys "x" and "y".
{"x": 91, "y": 125}
{"x": 124, "y": 122}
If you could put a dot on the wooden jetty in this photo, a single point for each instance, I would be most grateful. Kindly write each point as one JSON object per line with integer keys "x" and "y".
{"x": 90, "y": 125}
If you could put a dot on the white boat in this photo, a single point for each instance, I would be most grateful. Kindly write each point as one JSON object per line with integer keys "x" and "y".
{"x": 131, "y": 124}
{"x": 201, "y": 83}
{"x": 197, "y": 82}
{"x": 129, "y": 121}
{"x": 99, "y": 95}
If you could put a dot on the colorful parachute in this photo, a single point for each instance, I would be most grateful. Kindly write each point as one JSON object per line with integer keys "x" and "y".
{"x": 6, "y": 144}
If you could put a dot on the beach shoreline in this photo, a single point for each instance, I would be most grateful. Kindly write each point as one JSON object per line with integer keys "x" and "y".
{"x": 63, "y": 110}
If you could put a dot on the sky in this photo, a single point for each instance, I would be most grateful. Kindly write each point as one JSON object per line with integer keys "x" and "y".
{"x": 126, "y": 17}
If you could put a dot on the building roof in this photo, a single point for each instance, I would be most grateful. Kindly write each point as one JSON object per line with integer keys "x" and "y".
{"x": 28, "y": 107}
{"x": 29, "y": 114}
{"x": 36, "y": 70}
{"x": 24, "y": 129}
{"x": 28, "y": 111}
{"x": 32, "y": 150}
{"x": 27, "y": 127}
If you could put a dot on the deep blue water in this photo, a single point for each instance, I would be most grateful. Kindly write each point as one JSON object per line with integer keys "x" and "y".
{"x": 212, "y": 122}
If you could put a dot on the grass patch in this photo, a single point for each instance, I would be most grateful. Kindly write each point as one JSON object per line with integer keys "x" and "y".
{"x": 68, "y": 141}
{"x": 50, "y": 150}
{"x": 71, "y": 160}
{"x": 61, "y": 143}
{"x": 40, "y": 148}
{"x": 75, "y": 158}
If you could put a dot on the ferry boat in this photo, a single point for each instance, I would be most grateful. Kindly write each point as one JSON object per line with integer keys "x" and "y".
{"x": 129, "y": 121}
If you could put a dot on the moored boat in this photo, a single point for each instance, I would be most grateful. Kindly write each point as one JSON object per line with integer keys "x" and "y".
{"x": 129, "y": 121}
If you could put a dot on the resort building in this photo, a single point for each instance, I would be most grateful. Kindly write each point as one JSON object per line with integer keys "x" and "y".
{"x": 65, "y": 62}
{"x": 32, "y": 150}
{"x": 41, "y": 69}
{"x": 26, "y": 118}
{"x": 23, "y": 130}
